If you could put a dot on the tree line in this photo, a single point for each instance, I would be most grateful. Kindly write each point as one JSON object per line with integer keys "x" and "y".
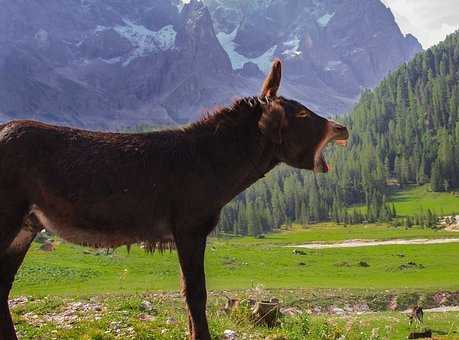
{"x": 404, "y": 132}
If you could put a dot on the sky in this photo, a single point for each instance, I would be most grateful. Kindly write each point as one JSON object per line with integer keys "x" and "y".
{"x": 428, "y": 20}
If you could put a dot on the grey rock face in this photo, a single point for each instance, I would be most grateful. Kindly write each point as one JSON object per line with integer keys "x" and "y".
{"x": 335, "y": 46}
{"x": 110, "y": 64}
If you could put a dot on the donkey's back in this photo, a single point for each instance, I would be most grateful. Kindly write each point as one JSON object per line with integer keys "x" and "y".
{"x": 92, "y": 188}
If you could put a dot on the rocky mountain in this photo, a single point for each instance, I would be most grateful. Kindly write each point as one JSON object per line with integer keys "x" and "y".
{"x": 111, "y": 64}
{"x": 335, "y": 46}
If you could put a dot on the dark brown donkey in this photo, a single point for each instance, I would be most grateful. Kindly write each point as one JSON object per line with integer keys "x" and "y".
{"x": 163, "y": 188}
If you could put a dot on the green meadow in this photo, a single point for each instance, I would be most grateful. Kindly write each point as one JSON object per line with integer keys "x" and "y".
{"x": 417, "y": 199}
{"x": 409, "y": 202}
{"x": 238, "y": 263}
{"x": 244, "y": 267}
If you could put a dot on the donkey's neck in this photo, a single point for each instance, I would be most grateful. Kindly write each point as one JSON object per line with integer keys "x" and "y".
{"x": 232, "y": 143}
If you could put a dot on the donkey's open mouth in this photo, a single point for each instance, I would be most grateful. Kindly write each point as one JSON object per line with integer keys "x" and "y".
{"x": 334, "y": 132}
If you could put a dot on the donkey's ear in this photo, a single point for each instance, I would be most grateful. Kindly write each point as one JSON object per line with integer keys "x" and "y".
{"x": 272, "y": 122}
{"x": 272, "y": 81}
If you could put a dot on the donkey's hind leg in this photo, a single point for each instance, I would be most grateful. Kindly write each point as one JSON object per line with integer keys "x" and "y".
{"x": 10, "y": 261}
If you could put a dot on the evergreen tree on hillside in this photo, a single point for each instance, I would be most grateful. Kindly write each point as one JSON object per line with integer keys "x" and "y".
{"x": 436, "y": 181}
{"x": 404, "y": 132}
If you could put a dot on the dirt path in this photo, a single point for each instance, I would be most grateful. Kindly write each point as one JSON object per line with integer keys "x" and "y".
{"x": 372, "y": 243}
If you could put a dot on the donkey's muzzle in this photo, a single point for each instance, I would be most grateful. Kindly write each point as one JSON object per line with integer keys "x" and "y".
{"x": 338, "y": 133}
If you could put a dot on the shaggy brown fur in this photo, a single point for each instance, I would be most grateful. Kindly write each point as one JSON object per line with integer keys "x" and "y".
{"x": 161, "y": 188}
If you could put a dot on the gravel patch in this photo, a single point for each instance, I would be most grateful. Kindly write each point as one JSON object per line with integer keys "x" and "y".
{"x": 373, "y": 243}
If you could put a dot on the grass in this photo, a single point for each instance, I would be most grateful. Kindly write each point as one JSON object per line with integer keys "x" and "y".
{"x": 242, "y": 263}
{"x": 415, "y": 199}
{"x": 121, "y": 316}
{"x": 332, "y": 232}
{"x": 240, "y": 266}
{"x": 411, "y": 201}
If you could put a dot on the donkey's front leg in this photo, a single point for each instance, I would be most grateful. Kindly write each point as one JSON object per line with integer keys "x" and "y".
{"x": 191, "y": 249}
{"x": 10, "y": 261}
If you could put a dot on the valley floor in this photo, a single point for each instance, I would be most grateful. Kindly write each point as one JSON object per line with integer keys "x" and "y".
{"x": 162, "y": 316}
{"x": 357, "y": 292}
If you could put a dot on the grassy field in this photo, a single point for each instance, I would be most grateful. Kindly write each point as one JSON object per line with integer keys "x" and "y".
{"x": 238, "y": 266}
{"x": 415, "y": 199}
{"x": 242, "y": 262}
{"x": 409, "y": 202}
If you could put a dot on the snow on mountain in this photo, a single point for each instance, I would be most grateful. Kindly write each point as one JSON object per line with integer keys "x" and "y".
{"x": 146, "y": 41}
{"x": 182, "y": 3}
{"x": 325, "y": 19}
{"x": 238, "y": 60}
{"x": 292, "y": 50}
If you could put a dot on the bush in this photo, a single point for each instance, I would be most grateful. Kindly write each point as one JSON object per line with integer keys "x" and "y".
{"x": 363, "y": 264}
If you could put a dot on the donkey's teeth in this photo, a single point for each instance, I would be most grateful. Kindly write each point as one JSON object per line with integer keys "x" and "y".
{"x": 342, "y": 142}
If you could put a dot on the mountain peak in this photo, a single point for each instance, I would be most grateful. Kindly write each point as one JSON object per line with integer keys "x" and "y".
{"x": 110, "y": 64}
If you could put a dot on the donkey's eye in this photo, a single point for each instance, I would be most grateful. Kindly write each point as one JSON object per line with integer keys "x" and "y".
{"x": 304, "y": 114}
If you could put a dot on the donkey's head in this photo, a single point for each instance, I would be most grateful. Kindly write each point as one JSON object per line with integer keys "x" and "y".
{"x": 300, "y": 133}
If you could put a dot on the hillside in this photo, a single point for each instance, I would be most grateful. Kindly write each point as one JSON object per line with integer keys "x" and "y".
{"x": 405, "y": 132}
{"x": 112, "y": 64}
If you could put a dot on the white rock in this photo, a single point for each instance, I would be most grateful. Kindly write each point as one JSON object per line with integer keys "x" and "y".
{"x": 338, "y": 311}
{"x": 291, "y": 311}
{"x": 171, "y": 321}
{"x": 146, "y": 306}
{"x": 228, "y": 334}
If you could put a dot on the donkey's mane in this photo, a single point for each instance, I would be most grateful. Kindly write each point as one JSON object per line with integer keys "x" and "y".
{"x": 233, "y": 115}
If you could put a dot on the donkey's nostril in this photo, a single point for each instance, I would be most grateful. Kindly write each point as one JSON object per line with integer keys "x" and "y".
{"x": 339, "y": 128}
{"x": 340, "y": 131}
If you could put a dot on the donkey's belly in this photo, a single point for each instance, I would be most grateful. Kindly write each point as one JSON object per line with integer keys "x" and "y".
{"x": 103, "y": 234}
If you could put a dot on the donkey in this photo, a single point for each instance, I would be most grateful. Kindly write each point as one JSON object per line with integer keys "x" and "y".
{"x": 165, "y": 189}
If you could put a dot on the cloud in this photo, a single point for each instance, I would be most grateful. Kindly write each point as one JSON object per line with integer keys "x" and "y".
{"x": 428, "y": 20}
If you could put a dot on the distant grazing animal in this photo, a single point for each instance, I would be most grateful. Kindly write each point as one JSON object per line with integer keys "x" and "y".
{"x": 416, "y": 315}
{"x": 165, "y": 188}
